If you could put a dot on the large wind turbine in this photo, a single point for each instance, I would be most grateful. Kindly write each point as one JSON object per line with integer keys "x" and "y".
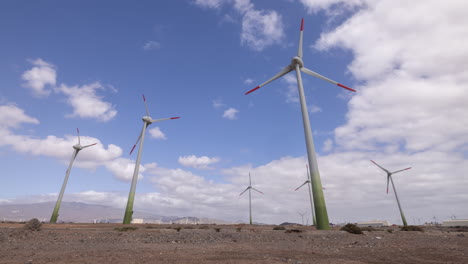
{"x": 250, "y": 196}
{"x": 147, "y": 120}
{"x": 77, "y": 147}
{"x": 389, "y": 178}
{"x": 298, "y": 65}
{"x": 309, "y": 187}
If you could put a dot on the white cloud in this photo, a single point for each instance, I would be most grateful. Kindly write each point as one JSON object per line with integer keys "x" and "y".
{"x": 157, "y": 133}
{"x": 314, "y": 109}
{"x": 39, "y": 77}
{"x": 405, "y": 101}
{"x": 248, "y": 81}
{"x": 218, "y": 103}
{"x": 231, "y": 113}
{"x": 260, "y": 28}
{"x": 12, "y": 116}
{"x": 313, "y": 6}
{"x": 291, "y": 90}
{"x": 152, "y": 45}
{"x": 86, "y": 103}
{"x": 123, "y": 169}
{"x": 328, "y": 145}
{"x": 202, "y": 162}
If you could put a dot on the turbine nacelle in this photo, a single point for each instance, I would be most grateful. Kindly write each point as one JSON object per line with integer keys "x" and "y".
{"x": 147, "y": 119}
{"x": 78, "y": 147}
{"x": 296, "y": 61}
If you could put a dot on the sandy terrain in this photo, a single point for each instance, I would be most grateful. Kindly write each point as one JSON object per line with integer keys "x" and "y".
{"x": 102, "y": 243}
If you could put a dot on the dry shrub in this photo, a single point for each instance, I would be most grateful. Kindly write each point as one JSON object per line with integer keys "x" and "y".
{"x": 294, "y": 231}
{"x": 217, "y": 229}
{"x": 204, "y": 227}
{"x": 412, "y": 228}
{"x": 351, "y": 228}
{"x": 279, "y": 228}
{"x": 33, "y": 225}
{"x": 368, "y": 228}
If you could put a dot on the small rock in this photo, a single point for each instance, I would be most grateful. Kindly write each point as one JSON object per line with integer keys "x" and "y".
{"x": 378, "y": 237}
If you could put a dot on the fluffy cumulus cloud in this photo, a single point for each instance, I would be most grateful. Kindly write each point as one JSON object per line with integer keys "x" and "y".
{"x": 86, "y": 103}
{"x": 260, "y": 28}
{"x": 314, "y": 6}
{"x": 404, "y": 101}
{"x": 151, "y": 45}
{"x": 13, "y": 117}
{"x": 84, "y": 99}
{"x": 202, "y": 162}
{"x": 231, "y": 113}
{"x": 42, "y": 76}
{"x": 157, "y": 133}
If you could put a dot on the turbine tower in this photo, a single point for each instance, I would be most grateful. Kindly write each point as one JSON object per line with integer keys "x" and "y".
{"x": 77, "y": 148}
{"x": 250, "y": 196}
{"x": 298, "y": 65}
{"x": 389, "y": 178}
{"x": 147, "y": 120}
{"x": 309, "y": 187}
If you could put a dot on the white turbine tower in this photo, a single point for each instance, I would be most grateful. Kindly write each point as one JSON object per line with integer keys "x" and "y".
{"x": 250, "y": 196}
{"x": 389, "y": 178}
{"x": 298, "y": 65}
{"x": 147, "y": 120}
{"x": 77, "y": 147}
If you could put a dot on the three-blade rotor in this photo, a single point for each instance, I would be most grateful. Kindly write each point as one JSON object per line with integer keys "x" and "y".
{"x": 148, "y": 121}
{"x": 250, "y": 187}
{"x": 297, "y": 61}
{"x": 389, "y": 174}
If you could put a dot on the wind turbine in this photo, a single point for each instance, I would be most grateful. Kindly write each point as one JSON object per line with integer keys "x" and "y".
{"x": 147, "y": 120}
{"x": 77, "y": 147}
{"x": 389, "y": 178}
{"x": 309, "y": 187}
{"x": 250, "y": 196}
{"x": 298, "y": 65}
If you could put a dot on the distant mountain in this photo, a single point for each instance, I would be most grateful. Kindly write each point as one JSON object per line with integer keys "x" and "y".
{"x": 89, "y": 213}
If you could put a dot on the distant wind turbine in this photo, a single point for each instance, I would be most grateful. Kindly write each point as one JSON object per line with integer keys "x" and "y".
{"x": 309, "y": 187}
{"x": 77, "y": 147}
{"x": 389, "y": 178}
{"x": 147, "y": 120}
{"x": 250, "y": 196}
{"x": 298, "y": 65}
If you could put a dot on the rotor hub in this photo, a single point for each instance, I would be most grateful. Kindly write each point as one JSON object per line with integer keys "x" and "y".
{"x": 147, "y": 119}
{"x": 297, "y": 61}
{"x": 78, "y": 147}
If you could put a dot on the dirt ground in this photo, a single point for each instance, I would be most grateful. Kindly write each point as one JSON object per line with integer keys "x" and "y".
{"x": 106, "y": 243}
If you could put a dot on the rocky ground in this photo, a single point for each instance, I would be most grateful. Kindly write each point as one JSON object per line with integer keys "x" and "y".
{"x": 112, "y": 243}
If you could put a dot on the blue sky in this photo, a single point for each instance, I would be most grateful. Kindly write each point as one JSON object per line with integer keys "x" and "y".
{"x": 86, "y": 65}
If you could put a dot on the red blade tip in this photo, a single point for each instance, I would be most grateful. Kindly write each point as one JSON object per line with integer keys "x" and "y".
{"x": 132, "y": 149}
{"x": 302, "y": 24}
{"x": 346, "y": 87}
{"x": 175, "y": 117}
{"x": 256, "y": 88}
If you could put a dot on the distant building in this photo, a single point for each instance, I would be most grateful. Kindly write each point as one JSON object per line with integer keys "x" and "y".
{"x": 137, "y": 221}
{"x": 456, "y": 222}
{"x": 373, "y": 223}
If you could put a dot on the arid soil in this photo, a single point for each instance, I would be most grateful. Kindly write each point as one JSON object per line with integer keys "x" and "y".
{"x": 106, "y": 243}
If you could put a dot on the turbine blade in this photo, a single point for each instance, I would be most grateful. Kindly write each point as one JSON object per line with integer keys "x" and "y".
{"x": 163, "y": 119}
{"x": 307, "y": 71}
{"x": 301, "y": 185}
{"x": 388, "y": 182}
{"x": 401, "y": 170}
{"x": 244, "y": 191}
{"x": 250, "y": 180}
{"x": 380, "y": 166}
{"x": 256, "y": 190}
{"x": 279, "y": 74}
{"x": 138, "y": 139}
{"x": 90, "y": 145}
{"x": 299, "y": 50}
{"x": 78, "y": 131}
{"x": 308, "y": 175}
{"x": 146, "y": 106}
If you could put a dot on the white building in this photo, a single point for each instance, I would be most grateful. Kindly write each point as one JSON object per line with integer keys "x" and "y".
{"x": 375, "y": 223}
{"x": 456, "y": 222}
{"x": 137, "y": 221}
